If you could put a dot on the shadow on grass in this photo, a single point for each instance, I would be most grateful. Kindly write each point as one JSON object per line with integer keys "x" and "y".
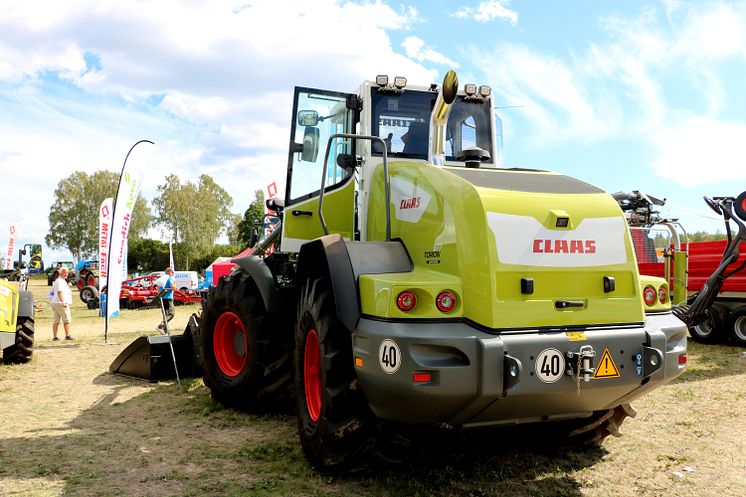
{"x": 145, "y": 439}
{"x": 511, "y": 461}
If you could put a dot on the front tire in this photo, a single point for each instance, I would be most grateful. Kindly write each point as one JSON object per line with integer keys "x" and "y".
{"x": 23, "y": 349}
{"x": 88, "y": 293}
{"x": 335, "y": 423}
{"x": 244, "y": 353}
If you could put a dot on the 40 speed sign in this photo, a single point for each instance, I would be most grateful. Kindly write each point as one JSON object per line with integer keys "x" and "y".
{"x": 389, "y": 356}
{"x": 550, "y": 365}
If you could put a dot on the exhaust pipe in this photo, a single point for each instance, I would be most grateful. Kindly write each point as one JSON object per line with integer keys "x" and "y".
{"x": 439, "y": 118}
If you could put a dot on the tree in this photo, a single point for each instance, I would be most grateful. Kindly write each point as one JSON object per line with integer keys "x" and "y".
{"x": 147, "y": 255}
{"x": 233, "y": 232}
{"x": 195, "y": 215}
{"x": 73, "y": 217}
{"x": 217, "y": 251}
{"x": 703, "y": 236}
{"x": 253, "y": 216}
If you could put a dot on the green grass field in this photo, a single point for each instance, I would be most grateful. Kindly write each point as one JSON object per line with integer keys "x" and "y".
{"x": 69, "y": 428}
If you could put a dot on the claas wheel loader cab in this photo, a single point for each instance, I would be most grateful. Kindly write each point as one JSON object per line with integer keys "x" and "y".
{"x": 413, "y": 281}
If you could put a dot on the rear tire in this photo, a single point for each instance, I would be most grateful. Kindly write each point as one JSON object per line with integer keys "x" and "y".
{"x": 738, "y": 327}
{"x": 23, "y": 349}
{"x": 335, "y": 423}
{"x": 595, "y": 429}
{"x": 244, "y": 354}
{"x": 711, "y": 330}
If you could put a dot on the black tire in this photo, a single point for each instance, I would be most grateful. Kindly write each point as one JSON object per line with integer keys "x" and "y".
{"x": 23, "y": 349}
{"x": 594, "y": 429}
{"x": 711, "y": 330}
{"x": 738, "y": 327}
{"x": 244, "y": 352}
{"x": 740, "y": 206}
{"x": 335, "y": 423}
{"x": 88, "y": 293}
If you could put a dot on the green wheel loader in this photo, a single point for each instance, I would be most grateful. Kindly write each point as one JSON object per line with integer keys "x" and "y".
{"x": 16, "y": 322}
{"x": 413, "y": 281}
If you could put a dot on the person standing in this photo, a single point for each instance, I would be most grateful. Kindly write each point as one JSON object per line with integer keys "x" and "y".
{"x": 167, "y": 295}
{"x": 62, "y": 301}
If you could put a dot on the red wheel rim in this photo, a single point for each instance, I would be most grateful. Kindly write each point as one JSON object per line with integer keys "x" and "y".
{"x": 230, "y": 344}
{"x": 80, "y": 284}
{"x": 312, "y": 375}
{"x": 91, "y": 280}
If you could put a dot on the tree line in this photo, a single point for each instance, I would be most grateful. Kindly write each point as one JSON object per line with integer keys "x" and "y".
{"x": 191, "y": 215}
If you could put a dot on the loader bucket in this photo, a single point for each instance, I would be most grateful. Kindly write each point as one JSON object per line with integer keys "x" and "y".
{"x": 149, "y": 357}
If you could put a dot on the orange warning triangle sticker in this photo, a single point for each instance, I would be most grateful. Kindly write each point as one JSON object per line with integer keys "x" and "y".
{"x": 606, "y": 367}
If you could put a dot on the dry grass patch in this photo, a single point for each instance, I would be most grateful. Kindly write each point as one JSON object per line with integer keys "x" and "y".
{"x": 71, "y": 428}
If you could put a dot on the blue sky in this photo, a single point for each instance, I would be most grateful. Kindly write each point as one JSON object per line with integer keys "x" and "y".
{"x": 644, "y": 95}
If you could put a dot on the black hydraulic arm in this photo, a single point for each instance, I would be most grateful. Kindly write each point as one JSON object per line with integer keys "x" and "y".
{"x": 697, "y": 311}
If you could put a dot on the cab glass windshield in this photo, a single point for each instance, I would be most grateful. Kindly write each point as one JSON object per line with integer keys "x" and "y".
{"x": 403, "y": 122}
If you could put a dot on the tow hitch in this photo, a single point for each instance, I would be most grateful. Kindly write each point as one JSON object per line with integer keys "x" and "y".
{"x": 580, "y": 363}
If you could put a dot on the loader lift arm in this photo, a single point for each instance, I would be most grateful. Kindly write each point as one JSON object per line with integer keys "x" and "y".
{"x": 731, "y": 209}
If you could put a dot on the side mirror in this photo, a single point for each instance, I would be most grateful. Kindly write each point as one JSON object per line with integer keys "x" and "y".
{"x": 254, "y": 237}
{"x": 310, "y": 144}
{"x": 308, "y": 118}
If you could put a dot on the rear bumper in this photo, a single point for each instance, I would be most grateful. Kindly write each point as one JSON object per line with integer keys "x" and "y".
{"x": 7, "y": 339}
{"x": 476, "y": 378}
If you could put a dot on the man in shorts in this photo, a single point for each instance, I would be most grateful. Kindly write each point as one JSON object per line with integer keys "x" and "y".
{"x": 62, "y": 301}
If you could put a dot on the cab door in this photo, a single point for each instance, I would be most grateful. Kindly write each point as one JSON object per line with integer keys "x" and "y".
{"x": 318, "y": 114}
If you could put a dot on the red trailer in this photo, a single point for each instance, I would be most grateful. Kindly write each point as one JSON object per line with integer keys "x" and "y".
{"x": 141, "y": 292}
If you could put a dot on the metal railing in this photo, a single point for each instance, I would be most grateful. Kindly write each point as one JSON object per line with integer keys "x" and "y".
{"x": 386, "y": 182}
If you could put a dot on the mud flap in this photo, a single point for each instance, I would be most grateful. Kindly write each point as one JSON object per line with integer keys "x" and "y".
{"x": 149, "y": 357}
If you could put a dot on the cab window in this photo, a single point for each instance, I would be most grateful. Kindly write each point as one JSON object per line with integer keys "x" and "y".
{"x": 469, "y": 125}
{"x": 402, "y": 120}
{"x": 318, "y": 116}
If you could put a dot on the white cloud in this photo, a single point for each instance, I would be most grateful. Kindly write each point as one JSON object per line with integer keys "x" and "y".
{"x": 701, "y": 150}
{"x": 488, "y": 11}
{"x": 552, "y": 95}
{"x": 637, "y": 84}
{"x": 210, "y": 83}
{"x": 415, "y": 49}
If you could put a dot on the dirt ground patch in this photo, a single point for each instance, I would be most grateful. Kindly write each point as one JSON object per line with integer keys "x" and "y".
{"x": 71, "y": 428}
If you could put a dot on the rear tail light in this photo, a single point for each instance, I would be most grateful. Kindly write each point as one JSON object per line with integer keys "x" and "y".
{"x": 446, "y": 301}
{"x": 421, "y": 377}
{"x": 649, "y": 295}
{"x": 406, "y": 301}
{"x": 682, "y": 359}
{"x": 663, "y": 294}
